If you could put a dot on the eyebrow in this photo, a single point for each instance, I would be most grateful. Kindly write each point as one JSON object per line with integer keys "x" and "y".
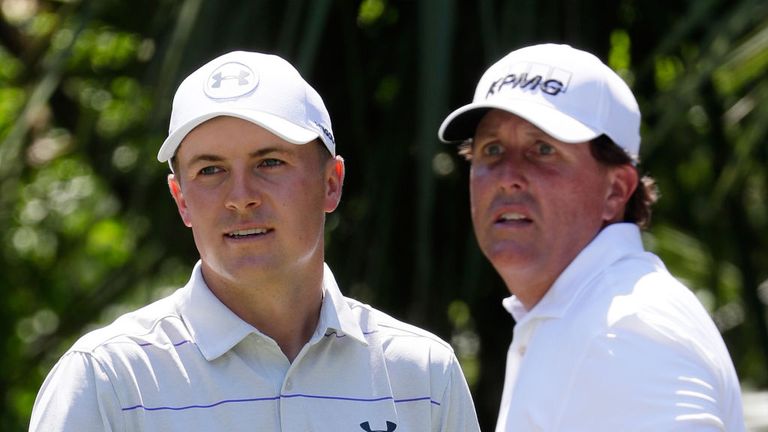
{"x": 206, "y": 157}
{"x": 530, "y": 129}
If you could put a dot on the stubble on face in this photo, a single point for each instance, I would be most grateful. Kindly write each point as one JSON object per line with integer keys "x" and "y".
{"x": 536, "y": 201}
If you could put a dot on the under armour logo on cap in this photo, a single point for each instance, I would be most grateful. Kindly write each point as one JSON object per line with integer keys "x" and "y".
{"x": 231, "y": 80}
{"x": 261, "y": 88}
{"x": 367, "y": 427}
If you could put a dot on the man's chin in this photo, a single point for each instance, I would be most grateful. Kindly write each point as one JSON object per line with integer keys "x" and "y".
{"x": 508, "y": 255}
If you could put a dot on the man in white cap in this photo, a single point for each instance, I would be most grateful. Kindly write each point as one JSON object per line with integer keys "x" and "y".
{"x": 261, "y": 337}
{"x": 605, "y": 338}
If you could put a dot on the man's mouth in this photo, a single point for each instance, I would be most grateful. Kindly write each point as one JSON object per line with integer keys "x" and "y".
{"x": 512, "y": 217}
{"x": 245, "y": 233}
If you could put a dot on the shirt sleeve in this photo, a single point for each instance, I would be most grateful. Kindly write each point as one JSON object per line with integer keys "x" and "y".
{"x": 77, "y": 396}
{"x": 456, "y": 409}
{"x": 630, "y": 382}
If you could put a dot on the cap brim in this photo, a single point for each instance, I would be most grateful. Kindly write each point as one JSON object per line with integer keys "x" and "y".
{"x": 277, "y": 125}
{"x": 460, "y": 125}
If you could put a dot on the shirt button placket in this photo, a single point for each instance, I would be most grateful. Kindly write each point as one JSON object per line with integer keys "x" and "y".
{"x": 290, "y": 419}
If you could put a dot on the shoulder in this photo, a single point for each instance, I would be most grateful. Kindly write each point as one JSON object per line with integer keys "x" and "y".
{"x": 645, "y": 325}
{"x": 148, "y": 325}
{"x": 646, "y": 298}
{"x": 399, "y": 340}
{"x": 417, "y": 361}
{"x": 392, "y": 328}
{"x": 635, "y": 309}
{"x": 638, "y": 291}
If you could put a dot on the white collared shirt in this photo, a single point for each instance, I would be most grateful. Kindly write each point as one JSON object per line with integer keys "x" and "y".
{"x": 617, "y": 344}
{"x": 188, "y": 363}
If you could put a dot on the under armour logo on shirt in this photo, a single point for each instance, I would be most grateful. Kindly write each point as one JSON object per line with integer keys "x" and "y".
{"x": 367, "y": 427}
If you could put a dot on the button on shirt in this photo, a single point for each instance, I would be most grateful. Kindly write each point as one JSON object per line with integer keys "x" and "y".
{"x": 187, "y": 363}
{"x": 617, "y": 344}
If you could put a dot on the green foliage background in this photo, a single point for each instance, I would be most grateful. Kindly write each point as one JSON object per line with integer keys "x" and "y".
{"x": 89, "y": 231}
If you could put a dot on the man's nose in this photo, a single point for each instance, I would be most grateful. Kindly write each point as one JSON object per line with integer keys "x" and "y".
{"x": 512, "y": 173}
{"x": 243, "y": 192}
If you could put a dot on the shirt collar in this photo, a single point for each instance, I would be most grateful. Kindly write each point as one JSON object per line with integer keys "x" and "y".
{"x": 216, "y": 329}
{"x": 213, "y": 326}
{"x": 335, "y": 314}
{"x": 610, "y": 245}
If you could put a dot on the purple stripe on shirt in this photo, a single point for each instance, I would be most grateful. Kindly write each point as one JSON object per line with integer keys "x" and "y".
{"x": 226, "y": 401}
{"x": 274, "y": 398}
{"x": 341, "y": 398}
{"x": 146, "y": 344}
{"x": 418, "y": 399}
{"x": 338, "y": 336}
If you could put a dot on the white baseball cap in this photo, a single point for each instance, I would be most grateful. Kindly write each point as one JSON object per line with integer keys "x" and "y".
{"x": 568, "y": 93}
{"x": 261, "y": 88}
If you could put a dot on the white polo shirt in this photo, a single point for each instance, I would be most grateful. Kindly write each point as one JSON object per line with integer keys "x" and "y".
{"x": 617, "y": 344}
{"x": 187, "y": 363}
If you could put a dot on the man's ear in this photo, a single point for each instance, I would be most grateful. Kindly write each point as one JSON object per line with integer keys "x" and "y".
{"x": 622, "y": 182}
{"x": 334, "y": 181}
{"x": 178, "y": 197}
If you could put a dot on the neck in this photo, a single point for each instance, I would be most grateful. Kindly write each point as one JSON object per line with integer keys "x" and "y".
{"x": 286, "y": 309}
{"x": 529, "y": 294}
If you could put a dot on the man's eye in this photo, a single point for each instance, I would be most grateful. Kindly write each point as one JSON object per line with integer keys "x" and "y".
{"x": 545, "y": 149}
{"x": 210, "y": 170}
{"x": 271, "y": 163}
{"x": 492, "y": 150}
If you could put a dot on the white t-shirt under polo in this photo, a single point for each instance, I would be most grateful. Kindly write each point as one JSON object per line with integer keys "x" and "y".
{"x": 617, "y": 344}
{"x": 187, "y": 363}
